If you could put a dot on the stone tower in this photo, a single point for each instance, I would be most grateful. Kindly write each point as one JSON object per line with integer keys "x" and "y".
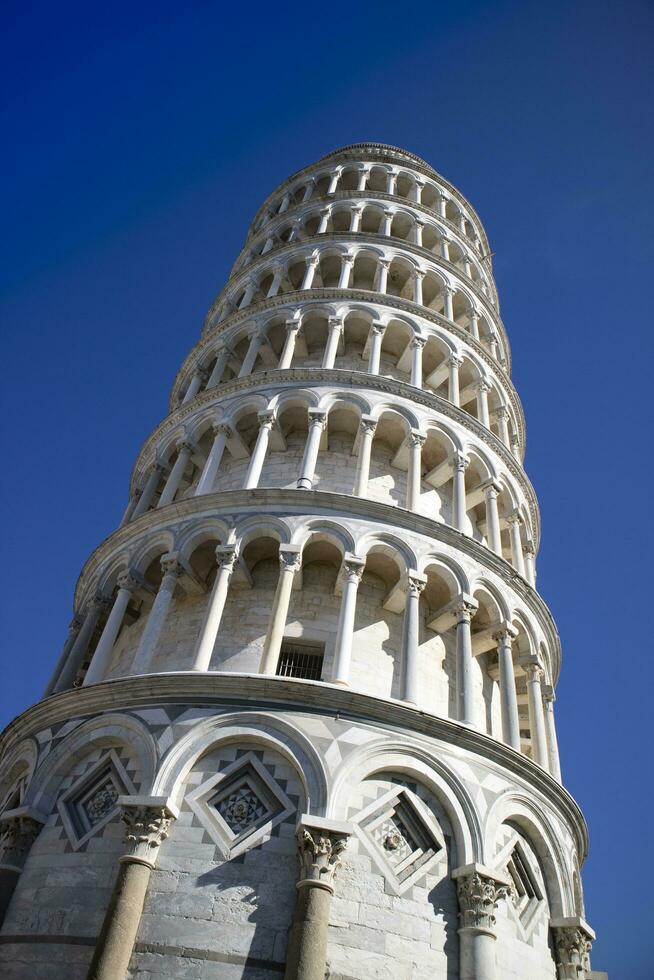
{"x": 303, "y": 721}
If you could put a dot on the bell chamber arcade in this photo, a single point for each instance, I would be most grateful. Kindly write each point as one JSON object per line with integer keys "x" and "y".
{"x": 303, "y": 723}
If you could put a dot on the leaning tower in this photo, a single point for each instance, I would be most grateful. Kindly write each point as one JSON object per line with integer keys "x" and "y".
{"x": 303, "y": 722}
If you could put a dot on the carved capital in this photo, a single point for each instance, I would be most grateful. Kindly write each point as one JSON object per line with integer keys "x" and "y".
{"x": 100, "y": 602}
{"x": 459, "y": 462}
{"x": 223, "y": 429}
{"x": 171, "y": 565}
{"x": 573, "y": 941}
{"x": 18, "y": 830}
{"x": 378, "y": 328}
{"x": 290, "y": 559}
{"x": 534, "y": 671}
{"x": 266, "y": 419}
{"x": 320, "y": 850}
{"x": 454, "y": 360}
{"x": 317, "y": 417}
{"x": 368, "y": 425}
{"x": 128, "y": 581}
{"x": 226, "y": 556}
{"x": 147, "y": 825}
{"x": 464, "y": 609}
{"x": 353, "y": 568}
{"x": 185, "y": 447}
{"x": 483, "y": 385}
{"x": 505, "y": 633}
{"x": 478, "y": 893}
{"x": 415, "y": 585}
{"x": 417, "y": 343}
{"x": 415, "y": 439}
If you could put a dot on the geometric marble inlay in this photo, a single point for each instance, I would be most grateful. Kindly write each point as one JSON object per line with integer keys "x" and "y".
{"x": 402, "y": 837}
{"x": 90, "y": 802}
{"x": 240, "y": 805}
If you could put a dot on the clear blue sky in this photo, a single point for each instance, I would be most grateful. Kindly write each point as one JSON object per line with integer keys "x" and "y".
{"x": 139, "y": 142}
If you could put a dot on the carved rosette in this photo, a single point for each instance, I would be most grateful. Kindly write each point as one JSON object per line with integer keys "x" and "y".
{"x": 573, "y": 945}
{"x": 478, "y": 897}
{"x": 146, "y": 828}
{"x": 17, "y": 834}
{"x": 319, "y": 852}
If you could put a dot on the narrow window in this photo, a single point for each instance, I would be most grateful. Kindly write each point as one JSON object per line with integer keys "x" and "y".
{"x": 301, "y": 660}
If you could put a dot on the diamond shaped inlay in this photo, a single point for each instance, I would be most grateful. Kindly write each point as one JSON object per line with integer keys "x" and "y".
{"x": 403, "y": 838}
{"x": 240, "y": 805}
{"x": 90, "y": 803}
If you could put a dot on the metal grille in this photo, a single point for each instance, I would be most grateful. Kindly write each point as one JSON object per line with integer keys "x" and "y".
{"x": 300, "y": 661}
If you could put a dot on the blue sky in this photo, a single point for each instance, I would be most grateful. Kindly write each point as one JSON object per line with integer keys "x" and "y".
{"x": 139, "y": 143}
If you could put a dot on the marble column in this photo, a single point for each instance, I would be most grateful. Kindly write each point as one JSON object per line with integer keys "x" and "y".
{"x": 292, "y": 331}
{"x": 502, "y": 416}
{"x": 184, "y": 451}
{"x": 333, "y": 337}
{"x": 325, "y": 215}
{"x": 554, "y": 765}
{"x": 79, "y": 648}
{"x": 156, "y": 621}
{"x": 148, "y": 822}
{"x": 464, "y": 610}
{"x": 266, "y": 423}
{"x": 250, "y": 289}
{"x": 127, "y": 585}
{"x": 278, "y": 275}
{"x": 418, "y": 229}
{"x": 221, "y": 434}
{"x": 415, "y": 442}
{"x": 333, "y": 182}
{"x": 508, "y": 696}
{"x": 459, "y": 510}
{"x": 448, "y": 305}
{"x": 454, "y": 362}
{"x": 199, "y": 376}
{"x": 290, "y": 560}
{"x": 73, "y": 632}
{"x": 387, "y": 223}
{"x": 367, "y": 427}
{"x": 514, "y": 521}
{"x": 353, "y": 567}
{"x": 479, "y": 890}
{"x": 355, "y": 221}
{"x": 376, "y": 337}
{"x": 473, "y": 325}
{"x": 382, "y": 276}
{"x": 226, "y": 559}
{"x": 19, "y": 828}
{"x": 573, "y": 939}
{"x": 132, "y": 504}
{"x": 491, "y": 491}
{"x": 415, "y": 583}
{"x": 219, "y": 367}
{"x": 346, "y": 272}
{"x": 535, "y": 674}
{"x": 312, "y": 265}
{"x": 445, "y": 248}
{"x": 483, "y": 387}
{"x": 530, "y": 564}
{"x": 363, "y": 179}
{"x": 149, "y": 490}
{"x": 320, "y": 844}
{"x": 256, "y": 342}
{"x": 418, "y": 277}
{"x": 417, "y": 344}
{"x": 317, "y": 423}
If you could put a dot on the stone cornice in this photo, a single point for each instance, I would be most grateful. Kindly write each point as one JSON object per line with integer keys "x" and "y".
{"x": 262, "y": 261}
{"x": 377, "y": 196}
{"x": 318, "y": 296}
{"x": 305, "y": 502}
{"x": 371, "y": 153}
{"x": 322, "y": 376}
{"x": 294, "y": 695}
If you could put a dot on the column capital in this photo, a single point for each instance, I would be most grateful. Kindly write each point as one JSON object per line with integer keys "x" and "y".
{"x": 266, "y": 417}
{"x": 483, "y": 384}
{"x": 290, "y": 557}
{"x": 514, "y": 518}
{"x": 147, "y": 822}
{"x": 185, "y": 446}
{"x": 385, "y": 263}
{"x": 534, "y": 670}
{"x": 454, "y": 360}
{"x": 549, "y": 696}
{"x": 573, "y": 939}
{"x": 335, "y": 322}
{"x": 367, "y": 424}
{"x": 501, "y": 412}
{"x": 479, "y": 890}
{"x": 202, "y": 373}
{"x": 19, "y": 828}
{"x": 505, "y": 632}
{"x": 100, "y": 602}
{"x": 415, "y": 583}
{"x": 491, "y": 487}
{"x": 464, "y": 608}
{"x": 226, "y": 555}
{"x": 420, "y": 273}
{"x": 459, "y": 461}
{"x": 415, "y": 438}
{"x": 317, "y": 417}
{"x": 320, "y": 844}
{"x": 293, "y": 324}
{"x": 170, "y": 564}
{"x": 128, "y": 581}
{"x": 353, "y": 567}
{"x": 223, "y": 429}
{"x": 378, "y": 328}
{"x": 417, "y": 343}
{"x": 448, "y": 290}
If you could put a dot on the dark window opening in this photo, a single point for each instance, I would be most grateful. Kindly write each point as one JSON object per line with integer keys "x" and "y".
{"x": 300, "y": 660}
